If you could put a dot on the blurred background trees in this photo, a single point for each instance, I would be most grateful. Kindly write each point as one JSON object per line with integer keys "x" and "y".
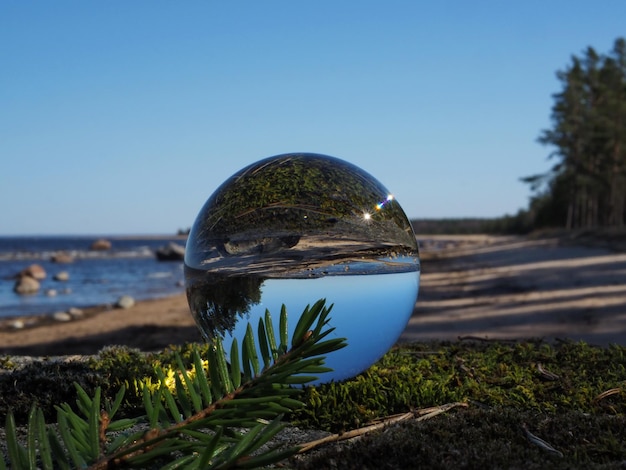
{"x": 586, "y": 187}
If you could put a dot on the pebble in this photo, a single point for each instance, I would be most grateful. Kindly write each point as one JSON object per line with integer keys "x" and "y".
{"x": 125, "y": 301}
{"x": 51, "y": 292}
{"x": 75, "y": 312}
{"x": 62, "y": 316}
{"x": 17, "y": 324}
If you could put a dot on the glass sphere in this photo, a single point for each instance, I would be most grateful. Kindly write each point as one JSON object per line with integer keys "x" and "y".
{"x": 293, "y": 229}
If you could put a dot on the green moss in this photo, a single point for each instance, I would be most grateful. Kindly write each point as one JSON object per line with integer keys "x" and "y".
{"x": 502, "y": 383}
{"x": 493, "y": 374}
{"x": 122, "y": 365}
{"x": 6, "y": 363}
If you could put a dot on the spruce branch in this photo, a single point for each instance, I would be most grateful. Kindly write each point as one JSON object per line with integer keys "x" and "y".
{"x": 215, "y": 416}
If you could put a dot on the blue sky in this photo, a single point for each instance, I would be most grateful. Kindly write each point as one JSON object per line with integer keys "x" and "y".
{"x": 123, "y": 117}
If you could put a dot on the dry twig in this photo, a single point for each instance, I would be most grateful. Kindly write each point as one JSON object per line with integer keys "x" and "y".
{"x": 546, "y": 374}
{"x": 419, "y": 415}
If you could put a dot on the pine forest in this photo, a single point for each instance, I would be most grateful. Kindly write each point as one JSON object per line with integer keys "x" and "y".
{"x": 586, "y": 185}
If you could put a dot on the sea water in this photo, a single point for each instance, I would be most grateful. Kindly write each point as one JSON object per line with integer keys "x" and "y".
{"x": 96, "y": 278}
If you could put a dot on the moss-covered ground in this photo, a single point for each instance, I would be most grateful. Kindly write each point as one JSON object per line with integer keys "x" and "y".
{"x": 572, "y": 396}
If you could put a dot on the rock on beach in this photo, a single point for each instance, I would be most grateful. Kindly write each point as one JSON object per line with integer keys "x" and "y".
{"x": 17, "y": 324}
{"x": 62, "y": 316}
{"x": 75, "y": 312}
{"x": 125, "y": 301}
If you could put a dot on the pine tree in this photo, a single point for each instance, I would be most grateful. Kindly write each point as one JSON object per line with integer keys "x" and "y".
{"x": 586, "y": 187}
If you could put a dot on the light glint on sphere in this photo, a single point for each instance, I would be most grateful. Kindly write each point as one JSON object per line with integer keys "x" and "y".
{"x": 293, "y": 229}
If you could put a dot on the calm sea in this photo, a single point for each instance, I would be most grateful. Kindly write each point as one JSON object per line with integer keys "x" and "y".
{"x": 96, "y": 278}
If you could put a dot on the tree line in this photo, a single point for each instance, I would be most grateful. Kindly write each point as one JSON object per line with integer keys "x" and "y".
{"x": 586, "y": 186}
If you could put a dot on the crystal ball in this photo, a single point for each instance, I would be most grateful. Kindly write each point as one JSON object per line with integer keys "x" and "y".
{"x": 295, "y": 228}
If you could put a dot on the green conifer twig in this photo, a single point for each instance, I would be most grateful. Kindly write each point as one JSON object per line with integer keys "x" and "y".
{"x": 222, "y": 401}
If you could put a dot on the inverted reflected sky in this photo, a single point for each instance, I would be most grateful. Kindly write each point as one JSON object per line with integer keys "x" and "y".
{"x": 371, "y": 311}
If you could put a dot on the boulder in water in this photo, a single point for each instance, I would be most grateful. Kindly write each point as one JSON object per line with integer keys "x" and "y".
{"x": 26, "y": 285}
{"x": 35, "y": 271}
{"x": 62, "y": 257}
{"x": 101, "y": 245}
{"x": 171, "y": 252}
{"x": 62, "y": 276}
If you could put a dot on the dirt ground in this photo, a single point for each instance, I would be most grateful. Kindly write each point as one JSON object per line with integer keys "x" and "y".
{"x": 471, "y": 286}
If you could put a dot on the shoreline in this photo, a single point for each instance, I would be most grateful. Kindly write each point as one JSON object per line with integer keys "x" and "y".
{"x": 471, "y": 287}
{"x": 149, "y": 325}
{"x": 16, "y": 323}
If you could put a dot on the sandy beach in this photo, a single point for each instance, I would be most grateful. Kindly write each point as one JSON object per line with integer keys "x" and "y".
{"x": 519, "y": 288}
{"x": 149, "y": 325}
{"x": 472, "y": 286}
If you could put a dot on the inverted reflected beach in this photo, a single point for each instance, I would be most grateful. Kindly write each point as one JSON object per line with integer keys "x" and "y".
{"x": 293, "y": 229}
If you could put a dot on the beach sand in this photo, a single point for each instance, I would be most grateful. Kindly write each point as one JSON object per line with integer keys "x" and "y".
{"x": 520, "y": 288}
{"x": 149, "y": 325}
{"x": 476, "y": 286}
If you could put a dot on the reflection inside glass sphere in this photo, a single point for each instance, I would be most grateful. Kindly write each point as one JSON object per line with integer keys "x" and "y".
{"x": 295, "y": 228}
